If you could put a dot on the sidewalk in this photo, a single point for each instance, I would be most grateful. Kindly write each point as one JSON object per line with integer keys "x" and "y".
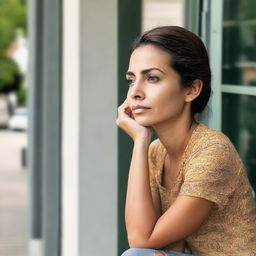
{"x": 13, "y": 195}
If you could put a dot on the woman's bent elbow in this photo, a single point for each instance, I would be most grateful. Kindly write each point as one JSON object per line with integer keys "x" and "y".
{"x": 135, "y": 242}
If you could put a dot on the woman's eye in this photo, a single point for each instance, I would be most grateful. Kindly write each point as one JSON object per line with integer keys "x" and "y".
{"x": 153, "y": 78}
{"x": 129, "y": 81}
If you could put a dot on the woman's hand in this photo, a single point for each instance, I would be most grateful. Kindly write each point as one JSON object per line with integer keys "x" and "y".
{"x": 126, "y": 121}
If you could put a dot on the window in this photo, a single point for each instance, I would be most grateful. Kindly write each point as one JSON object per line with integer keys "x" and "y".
{"x": 239, "y": 79}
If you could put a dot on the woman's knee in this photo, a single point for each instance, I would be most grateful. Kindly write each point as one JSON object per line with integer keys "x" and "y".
{"x": 139, "y": 252}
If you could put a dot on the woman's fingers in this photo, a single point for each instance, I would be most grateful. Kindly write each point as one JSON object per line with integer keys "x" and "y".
{"x": 124, "y": 111}
{"x": 125, "y": 118}
{"x": 126, "y": 121}
{"x": 123, "y": 107}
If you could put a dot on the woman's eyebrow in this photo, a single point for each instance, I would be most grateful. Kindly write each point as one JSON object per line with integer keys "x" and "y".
{"x": 144, "y": 71}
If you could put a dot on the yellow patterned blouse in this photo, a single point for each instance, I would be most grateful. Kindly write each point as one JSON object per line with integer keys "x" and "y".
{"x": 211, "y": 169}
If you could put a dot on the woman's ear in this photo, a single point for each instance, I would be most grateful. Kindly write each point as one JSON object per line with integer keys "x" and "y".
{"x": 194, "y": 90}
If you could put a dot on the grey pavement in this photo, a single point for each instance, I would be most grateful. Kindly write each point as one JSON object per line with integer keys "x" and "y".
{"x": 13, "y": 195}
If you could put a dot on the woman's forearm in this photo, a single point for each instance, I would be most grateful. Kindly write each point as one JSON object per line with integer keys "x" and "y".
{"x": 140, "y": 215}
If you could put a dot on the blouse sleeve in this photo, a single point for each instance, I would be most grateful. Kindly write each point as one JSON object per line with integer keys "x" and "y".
{"x": 152, "y": 166}
{"x": 211, "y": 174}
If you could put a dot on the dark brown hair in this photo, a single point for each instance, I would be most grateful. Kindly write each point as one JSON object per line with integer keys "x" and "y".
{"x": 189, "y": 58}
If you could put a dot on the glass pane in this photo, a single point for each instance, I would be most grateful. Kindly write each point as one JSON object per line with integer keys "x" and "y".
{"x": 239, "y": 40}
{"x": 238, "y": 123}
{"x": 162, "y": 12}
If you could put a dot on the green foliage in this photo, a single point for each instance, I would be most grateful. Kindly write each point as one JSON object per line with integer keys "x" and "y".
{"x": 12, "y": 16}
{"x": 10, "y": 76}
{"x": 22, "y": 95}
{"x": 14, "y": 11}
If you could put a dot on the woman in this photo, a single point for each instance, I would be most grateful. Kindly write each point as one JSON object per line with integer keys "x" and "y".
{"x": 188, "y": 188}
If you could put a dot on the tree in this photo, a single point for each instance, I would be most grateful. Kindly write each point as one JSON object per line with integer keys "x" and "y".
{"x": 12, "y": 16}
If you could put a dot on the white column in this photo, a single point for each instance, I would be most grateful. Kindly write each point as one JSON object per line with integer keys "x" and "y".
{"x": 70, "y": 127}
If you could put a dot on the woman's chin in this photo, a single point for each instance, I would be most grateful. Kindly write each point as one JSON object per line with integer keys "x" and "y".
{"x": 143, "y": 121}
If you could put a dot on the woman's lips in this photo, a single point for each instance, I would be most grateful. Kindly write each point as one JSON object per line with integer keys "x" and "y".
{"x": 139, "y": 109}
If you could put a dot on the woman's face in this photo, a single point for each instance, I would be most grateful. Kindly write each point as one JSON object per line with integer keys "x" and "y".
{"x": 155, "y": 94}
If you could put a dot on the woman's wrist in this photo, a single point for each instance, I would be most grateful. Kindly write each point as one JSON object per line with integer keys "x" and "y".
{"x": 142, "y": 141}
{"x": 143, "y": 138}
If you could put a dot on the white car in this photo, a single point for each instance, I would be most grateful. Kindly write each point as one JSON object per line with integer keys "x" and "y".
{"x": 19, "y": 120}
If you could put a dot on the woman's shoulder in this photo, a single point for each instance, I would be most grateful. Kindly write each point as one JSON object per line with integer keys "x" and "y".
{"x": 205, "y": 137}
{"x": 212, "y": 146}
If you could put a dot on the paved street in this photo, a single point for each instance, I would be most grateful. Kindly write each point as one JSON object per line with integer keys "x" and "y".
{"x": 13, "y": 195}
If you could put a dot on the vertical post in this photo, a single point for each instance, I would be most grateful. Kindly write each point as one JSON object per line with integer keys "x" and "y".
{"x": 35, "y": 82}
{"x": 215, "y": 52}
{"x": 51, "y": 126}
{"x": 44, "y": 129}
{"x": 98, "y": 173}
{"x": 70, "y": 127}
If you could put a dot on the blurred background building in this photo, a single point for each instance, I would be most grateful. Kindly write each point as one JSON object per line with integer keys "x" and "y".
{"x": 78, "y": 159}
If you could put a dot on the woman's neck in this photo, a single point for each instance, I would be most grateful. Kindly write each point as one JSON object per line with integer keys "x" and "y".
{"x": 175, "y": 135}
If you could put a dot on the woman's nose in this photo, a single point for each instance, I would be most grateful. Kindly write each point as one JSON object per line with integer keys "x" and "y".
{"x": 137, "y": 92}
